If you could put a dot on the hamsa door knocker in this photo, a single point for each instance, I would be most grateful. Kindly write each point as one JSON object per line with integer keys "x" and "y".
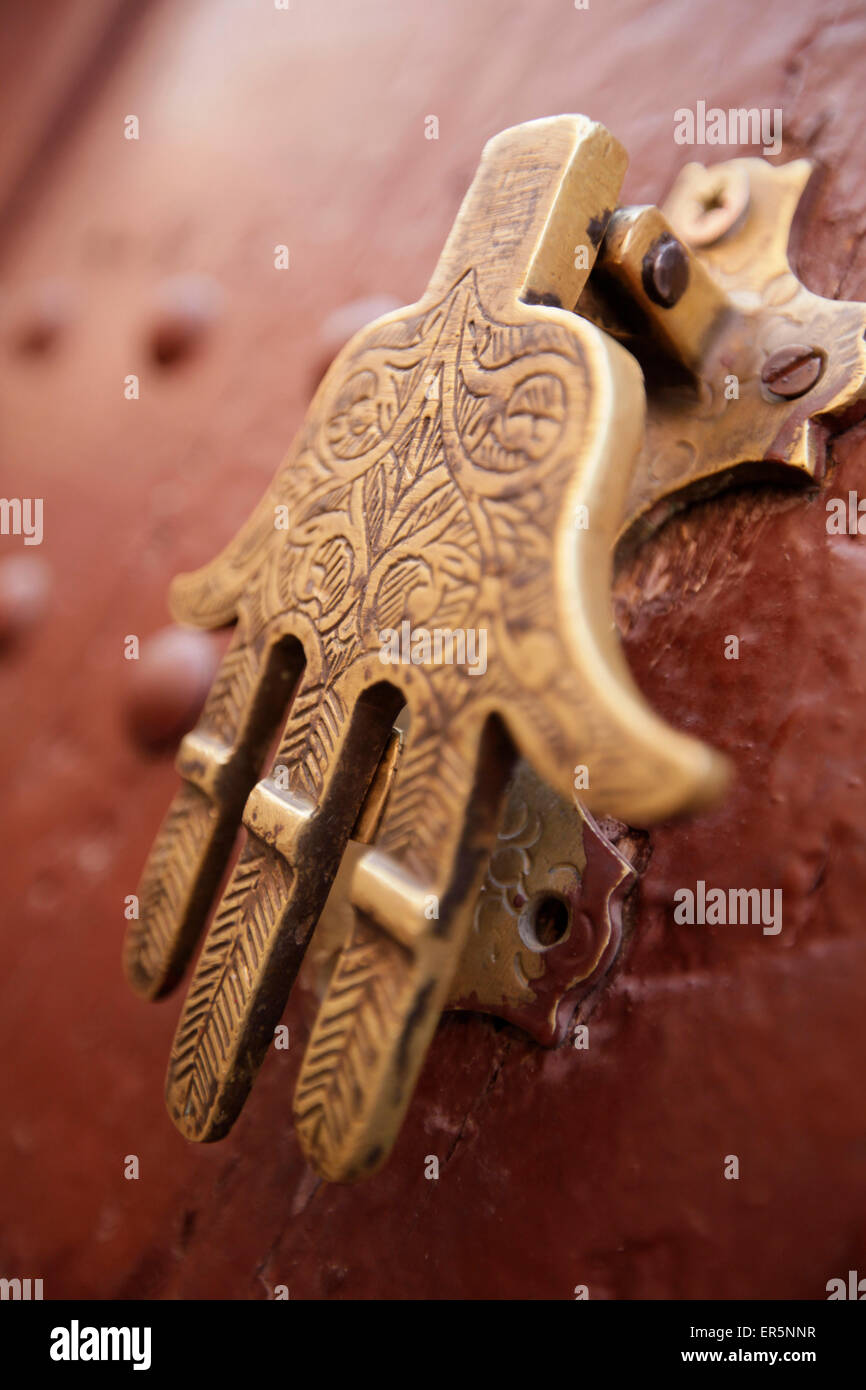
{"x": 465, "y": 468}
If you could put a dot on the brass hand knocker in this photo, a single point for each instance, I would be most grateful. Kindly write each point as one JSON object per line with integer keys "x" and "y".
{"x": 465, "y": 468}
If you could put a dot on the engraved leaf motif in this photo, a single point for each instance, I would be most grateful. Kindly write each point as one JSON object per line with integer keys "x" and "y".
{"x": 364, "y": 1006}
{"x": 173, "y": 866}
{"x": 224, "y": 983}
{"x": 375, "y": 501}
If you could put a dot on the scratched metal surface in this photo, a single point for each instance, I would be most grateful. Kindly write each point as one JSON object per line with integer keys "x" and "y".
{"x": 558, "y": 1168}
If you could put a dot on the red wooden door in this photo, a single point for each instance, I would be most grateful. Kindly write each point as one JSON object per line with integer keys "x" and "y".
{"x": 306, "y": 127}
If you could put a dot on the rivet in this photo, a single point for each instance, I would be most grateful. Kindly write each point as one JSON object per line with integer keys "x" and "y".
{"x": 168, "y": 684}
{"x": 665, "y": 271}
{"x": 25, "y": 583}
{"x": 50, "y": 308}
{"x": 345, "y": 322}
{"x": 187, "y": 307}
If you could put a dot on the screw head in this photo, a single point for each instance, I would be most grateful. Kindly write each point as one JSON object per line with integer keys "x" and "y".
{"x": 706, "y": 204}
{"x": 665, "y": 271}
{"x": 792, "y": 371}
